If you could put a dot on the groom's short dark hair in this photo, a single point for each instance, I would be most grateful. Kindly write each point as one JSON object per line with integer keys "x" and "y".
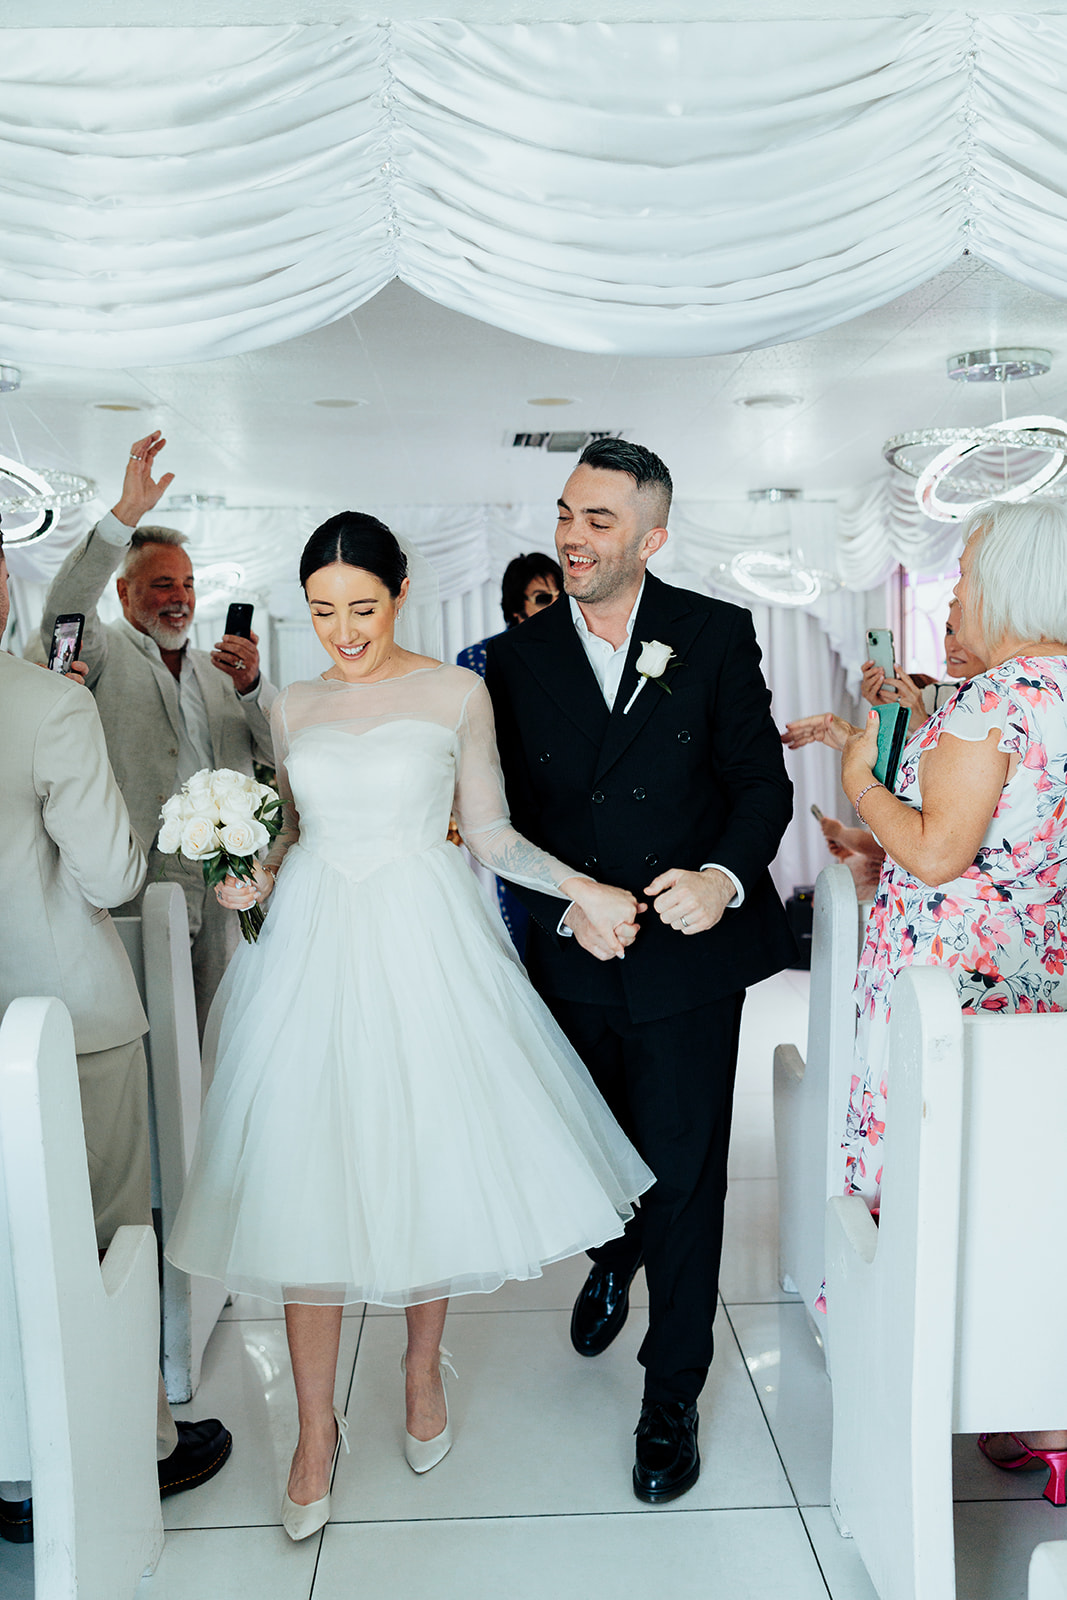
{"x": 640, "y": 463}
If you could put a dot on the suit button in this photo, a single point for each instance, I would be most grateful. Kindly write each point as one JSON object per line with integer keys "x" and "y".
{"x": 639, "y": 794}
{"x": 544, "y": 755}
{"x": 172, "y": 752}
{"x": 685, "y": 736}
{"x": 652, "y": 861}
{"x": 590, "y": 865}
{"x": 598, "y": 797}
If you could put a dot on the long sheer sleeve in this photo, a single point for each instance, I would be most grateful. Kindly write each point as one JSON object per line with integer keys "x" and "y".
{"x": 290, "y": 816}
{"x": 481, "y": 807}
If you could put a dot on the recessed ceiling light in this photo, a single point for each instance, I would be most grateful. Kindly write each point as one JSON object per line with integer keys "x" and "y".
{"x": 768, "y": 402}
{"x": 117, "y": 405}
{"x": 551, "y": 400}
{"x": 339, "y": 405}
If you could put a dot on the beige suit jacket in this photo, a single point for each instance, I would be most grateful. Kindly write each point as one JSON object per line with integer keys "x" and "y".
{"x": 138, "y": 697}
{"x": 66, "y": 853}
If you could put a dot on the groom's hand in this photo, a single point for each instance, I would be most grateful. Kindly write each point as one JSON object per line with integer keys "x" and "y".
{"x": 700, "y": 898}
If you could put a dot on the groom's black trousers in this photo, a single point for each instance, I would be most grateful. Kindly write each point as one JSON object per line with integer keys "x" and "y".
{"x": 670, "y": 1085}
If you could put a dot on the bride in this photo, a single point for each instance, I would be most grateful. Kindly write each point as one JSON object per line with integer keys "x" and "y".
{"x": 395, "y": 1117}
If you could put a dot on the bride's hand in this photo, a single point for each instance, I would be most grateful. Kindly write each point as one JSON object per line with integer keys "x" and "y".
{"x": 603, "y": 919}
{"x": 237, "y": 894}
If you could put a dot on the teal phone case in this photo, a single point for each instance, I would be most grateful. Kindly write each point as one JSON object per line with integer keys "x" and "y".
{"x": 892, "y": 731}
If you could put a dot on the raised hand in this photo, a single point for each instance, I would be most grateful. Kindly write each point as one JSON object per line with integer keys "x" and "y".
{"x": 140, "y": 491}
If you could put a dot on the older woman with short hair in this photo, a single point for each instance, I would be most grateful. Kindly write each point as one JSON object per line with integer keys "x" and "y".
{"x": 975, "y": 833}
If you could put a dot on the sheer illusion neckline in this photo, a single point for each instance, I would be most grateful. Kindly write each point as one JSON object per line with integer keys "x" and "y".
{"x": 342, "y": 683}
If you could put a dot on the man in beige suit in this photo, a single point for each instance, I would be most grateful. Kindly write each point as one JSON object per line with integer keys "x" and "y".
{"x": 168, "y": 710}
{"x": 67, "y": 853}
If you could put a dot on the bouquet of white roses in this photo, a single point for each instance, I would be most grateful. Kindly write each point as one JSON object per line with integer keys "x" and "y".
{"x": 221, "y": 819}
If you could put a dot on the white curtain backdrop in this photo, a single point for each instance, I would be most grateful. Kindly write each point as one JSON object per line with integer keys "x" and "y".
{"x": 881, "y": 527}
{"x": 172, "y": 195}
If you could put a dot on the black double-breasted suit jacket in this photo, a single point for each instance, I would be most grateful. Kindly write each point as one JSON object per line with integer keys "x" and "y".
{"x": 684, "y": 779}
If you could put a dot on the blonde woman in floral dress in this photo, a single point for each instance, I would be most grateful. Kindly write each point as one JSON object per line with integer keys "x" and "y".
{"x": 976, "y": 832}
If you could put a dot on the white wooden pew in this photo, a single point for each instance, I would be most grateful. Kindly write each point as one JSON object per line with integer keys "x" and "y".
{"x": 1048, "y": 1572}
{"x": 811, "y": 1092}
{"x": 157, "y": 944}
{"x": 947, "y": 1316}
{"x": 80, "y": 1339}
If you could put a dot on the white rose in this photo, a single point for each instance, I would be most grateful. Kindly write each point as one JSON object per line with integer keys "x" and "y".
{"x": 243, "y": 838}
{"x": 199, "y": 839}
{"x": 170, "y": 836}
{"x": 173, "y": 809}
{"x": 237, "y": 805}
{"x": 652, "y": 661}
{"x": 225, "y": 782}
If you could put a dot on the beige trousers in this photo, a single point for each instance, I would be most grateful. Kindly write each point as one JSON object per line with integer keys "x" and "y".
{"x": 214, "y": 934}
{"x": 114, "y": 1096}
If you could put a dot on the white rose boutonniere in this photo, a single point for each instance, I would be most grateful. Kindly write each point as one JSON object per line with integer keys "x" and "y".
{"x": 652, "y": 663}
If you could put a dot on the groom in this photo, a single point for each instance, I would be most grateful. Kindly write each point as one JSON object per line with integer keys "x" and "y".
{"x": 681, "y": 797}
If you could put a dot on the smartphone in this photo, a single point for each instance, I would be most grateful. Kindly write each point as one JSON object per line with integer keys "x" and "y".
{"x": 239, "y": 620}
{"x": 880, "y": 650}
{"x": 66, "y": 640}
{"x": 892, "y": 733}
{"x": 816, "y": 813}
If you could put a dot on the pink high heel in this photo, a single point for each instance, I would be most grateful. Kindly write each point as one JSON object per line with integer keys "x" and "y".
{"x": 1055, "y": 1460}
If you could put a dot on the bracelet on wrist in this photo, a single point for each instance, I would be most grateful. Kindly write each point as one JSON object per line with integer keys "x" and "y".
{"x": 859, "y": 797}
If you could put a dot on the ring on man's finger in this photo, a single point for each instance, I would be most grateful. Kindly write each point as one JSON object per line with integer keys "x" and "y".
{"x": 685, "y": 923}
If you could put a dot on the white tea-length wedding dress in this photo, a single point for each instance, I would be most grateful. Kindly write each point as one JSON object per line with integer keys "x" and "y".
{"x": 395, "y": 1116}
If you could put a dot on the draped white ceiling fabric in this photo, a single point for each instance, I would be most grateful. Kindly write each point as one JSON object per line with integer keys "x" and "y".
{"x": 177, "y": 194}
{"x": 881, "y": 527}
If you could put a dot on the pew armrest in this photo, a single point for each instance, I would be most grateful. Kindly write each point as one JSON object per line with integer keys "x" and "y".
{"x": 1048, "y": 1572}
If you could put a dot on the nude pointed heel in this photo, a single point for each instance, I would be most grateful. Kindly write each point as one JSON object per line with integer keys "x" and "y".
{"x": 422, "y": 1454}
{"x": 300, "y": 1522}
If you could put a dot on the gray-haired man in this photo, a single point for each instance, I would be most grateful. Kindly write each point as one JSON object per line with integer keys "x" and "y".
{"x": 168, "y": 710}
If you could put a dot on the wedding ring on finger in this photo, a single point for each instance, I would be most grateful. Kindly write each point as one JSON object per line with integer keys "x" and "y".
{"x": 685, "y": 922}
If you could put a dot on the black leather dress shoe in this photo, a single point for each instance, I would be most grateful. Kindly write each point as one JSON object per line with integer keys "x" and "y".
{"x": 16, "y": 1521}
{"x": 202, "y": 1449}
{"x": 600, "y": 1309}
{"x": 668, "y": 1461}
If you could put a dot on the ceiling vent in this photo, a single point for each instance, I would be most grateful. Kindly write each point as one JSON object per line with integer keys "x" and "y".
{"x": 566, "y": 443}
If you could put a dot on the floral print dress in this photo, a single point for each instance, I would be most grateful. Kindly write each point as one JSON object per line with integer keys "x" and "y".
{"x": 999, "y": 928}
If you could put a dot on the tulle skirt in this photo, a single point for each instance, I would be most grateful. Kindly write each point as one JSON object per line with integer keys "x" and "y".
{"x": 395, "y": 1116}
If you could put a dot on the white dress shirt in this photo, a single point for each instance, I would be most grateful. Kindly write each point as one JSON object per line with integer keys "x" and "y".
{"x": 194, "y": 733}
{"x": 607, "y": 664}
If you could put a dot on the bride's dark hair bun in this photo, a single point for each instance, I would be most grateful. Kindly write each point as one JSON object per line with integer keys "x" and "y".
{"x": 358, "y": 540}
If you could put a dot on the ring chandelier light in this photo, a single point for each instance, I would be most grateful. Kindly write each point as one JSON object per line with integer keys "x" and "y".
{"x": 771, "y": 575}
{"x": 30, "y": 501}
{"x": 31, "y": 511}
{"x": 1007, "y": 460}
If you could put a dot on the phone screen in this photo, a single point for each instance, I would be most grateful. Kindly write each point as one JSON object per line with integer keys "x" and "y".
{"x": 66, "y": 637}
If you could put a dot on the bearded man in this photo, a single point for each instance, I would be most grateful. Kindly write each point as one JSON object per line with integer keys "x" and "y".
{"x": 636, "y": 741}
{"x": 168, "y": 710}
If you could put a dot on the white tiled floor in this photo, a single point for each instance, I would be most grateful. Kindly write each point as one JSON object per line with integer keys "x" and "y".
{"x": 535, "y": 1498}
